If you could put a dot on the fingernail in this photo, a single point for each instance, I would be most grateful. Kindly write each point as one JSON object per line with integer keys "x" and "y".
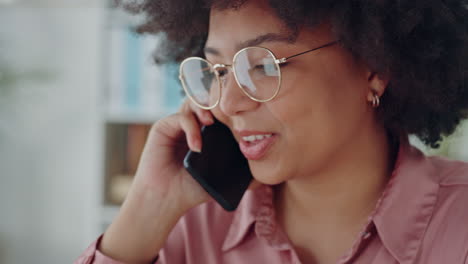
{"x": 197, "y": 149}
{"x": 197, "y": 146}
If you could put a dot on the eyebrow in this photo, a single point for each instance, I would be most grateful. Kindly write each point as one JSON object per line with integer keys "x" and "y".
{"x": 268, "y": 37}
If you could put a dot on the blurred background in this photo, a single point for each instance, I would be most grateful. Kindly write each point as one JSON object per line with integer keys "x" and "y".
{"x": 78, "y": 92}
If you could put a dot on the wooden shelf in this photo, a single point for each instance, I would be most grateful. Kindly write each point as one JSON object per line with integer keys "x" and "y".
{"x": 129, "y": 118}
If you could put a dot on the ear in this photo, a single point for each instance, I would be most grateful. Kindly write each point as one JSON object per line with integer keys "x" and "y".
{"x": 376, "y": 84}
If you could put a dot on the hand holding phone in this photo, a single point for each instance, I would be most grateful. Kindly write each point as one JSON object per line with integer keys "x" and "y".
{"x": 221, "y": 168}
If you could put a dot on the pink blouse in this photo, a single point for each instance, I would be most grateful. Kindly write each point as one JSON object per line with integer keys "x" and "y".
{"x": 421, "y": 217}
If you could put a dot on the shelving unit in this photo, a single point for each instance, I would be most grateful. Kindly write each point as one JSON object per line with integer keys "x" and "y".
{"x": 136, "y": 93}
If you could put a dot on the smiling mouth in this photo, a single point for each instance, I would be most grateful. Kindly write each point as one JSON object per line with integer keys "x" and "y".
{"x": 255, "y": 147}
{"x": 254, "y": 138}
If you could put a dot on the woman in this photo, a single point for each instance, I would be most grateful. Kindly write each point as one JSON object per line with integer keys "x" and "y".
{"x": 336, "y": 180}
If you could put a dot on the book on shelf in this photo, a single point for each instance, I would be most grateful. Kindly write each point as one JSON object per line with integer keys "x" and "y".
{"x": 136, "y": 139}
{"x": 130, "y": 146}
{"x": 136, "y": 84}
{"x": 119, "y": 187}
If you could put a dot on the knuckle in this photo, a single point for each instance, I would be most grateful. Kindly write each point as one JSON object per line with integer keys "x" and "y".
{"x": 163, "y": 123}
{"x": 186, "y": 117}
{"x": 186, "y": 106}
{"x": 157, "y": 126}
{"x": 186, "y": 120}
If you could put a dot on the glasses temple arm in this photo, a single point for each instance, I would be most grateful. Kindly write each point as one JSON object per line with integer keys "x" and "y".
{"x": 283, "y": 60}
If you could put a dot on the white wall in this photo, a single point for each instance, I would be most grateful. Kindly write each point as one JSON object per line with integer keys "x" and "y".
{"x": 49, "y": 132}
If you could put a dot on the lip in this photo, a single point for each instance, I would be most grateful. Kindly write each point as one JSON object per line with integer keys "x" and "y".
{"x": 257, "y": 150}
{"x": 246, "y": 133}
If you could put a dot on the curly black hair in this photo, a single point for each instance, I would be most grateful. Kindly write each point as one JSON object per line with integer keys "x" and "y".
{"x": 420, "y": 45}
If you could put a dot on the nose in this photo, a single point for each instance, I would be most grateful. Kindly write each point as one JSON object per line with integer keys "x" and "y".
{"x": 233, "y": 100}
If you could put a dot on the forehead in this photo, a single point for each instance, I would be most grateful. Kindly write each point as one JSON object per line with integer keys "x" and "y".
{"x": 229, "y": 28}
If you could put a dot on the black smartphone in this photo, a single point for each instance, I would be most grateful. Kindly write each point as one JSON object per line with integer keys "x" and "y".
{"x": 220, "y": 168}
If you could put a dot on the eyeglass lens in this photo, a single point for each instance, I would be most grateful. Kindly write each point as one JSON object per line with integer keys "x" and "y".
{"x": 255, "y": 68}
{"x": 200, "y": 82}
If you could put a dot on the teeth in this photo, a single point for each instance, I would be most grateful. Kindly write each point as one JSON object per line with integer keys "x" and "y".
{"x": 251, "y": 138}
{"x": 256, "y": 137}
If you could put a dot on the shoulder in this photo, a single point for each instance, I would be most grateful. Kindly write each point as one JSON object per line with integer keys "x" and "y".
{"x": 448, "y": 172}
{"x": 435, "y": 196}
{"x": 451, "y": 209}
{"x": 452, "y": 179}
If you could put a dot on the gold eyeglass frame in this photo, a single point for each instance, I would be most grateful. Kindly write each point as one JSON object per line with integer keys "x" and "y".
{"x": 215, "y": 68}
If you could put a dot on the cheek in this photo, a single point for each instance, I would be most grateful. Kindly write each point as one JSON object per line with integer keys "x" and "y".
{"x": 329, "y": 91}
{"x": 321, "y": 106}
{"x": 305, "y": 99}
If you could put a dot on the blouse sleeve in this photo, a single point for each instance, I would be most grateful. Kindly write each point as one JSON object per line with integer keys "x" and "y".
{"x": 93, "y": 256}
{"x": 172, "y": 252}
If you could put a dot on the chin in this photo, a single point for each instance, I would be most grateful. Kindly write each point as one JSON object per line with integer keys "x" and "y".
{"x": 267, "y": 175}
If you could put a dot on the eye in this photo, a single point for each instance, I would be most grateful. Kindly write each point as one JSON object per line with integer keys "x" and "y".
{"x": 259, "y": 67}
{"x": 265, "y": 69}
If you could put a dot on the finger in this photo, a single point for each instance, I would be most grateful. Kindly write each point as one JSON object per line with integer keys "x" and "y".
{"x": 192, "y": 132}
{"x": 184, "y": 105}
{"x": 204, "y": 116}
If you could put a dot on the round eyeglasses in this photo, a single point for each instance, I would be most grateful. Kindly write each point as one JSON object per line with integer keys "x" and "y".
{"x": 256, "y": 71}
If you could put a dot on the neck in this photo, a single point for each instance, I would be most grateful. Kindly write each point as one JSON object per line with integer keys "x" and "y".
{"x": 344, "y": 192}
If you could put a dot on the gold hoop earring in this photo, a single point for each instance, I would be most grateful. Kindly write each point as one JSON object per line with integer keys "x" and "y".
{"x": 375, "y": 101}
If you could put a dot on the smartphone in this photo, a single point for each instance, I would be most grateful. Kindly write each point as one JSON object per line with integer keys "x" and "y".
{"x": 221, "y": 168}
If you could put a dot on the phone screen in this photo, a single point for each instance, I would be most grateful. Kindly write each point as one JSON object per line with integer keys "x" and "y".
{"x": 221, "y": 168}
